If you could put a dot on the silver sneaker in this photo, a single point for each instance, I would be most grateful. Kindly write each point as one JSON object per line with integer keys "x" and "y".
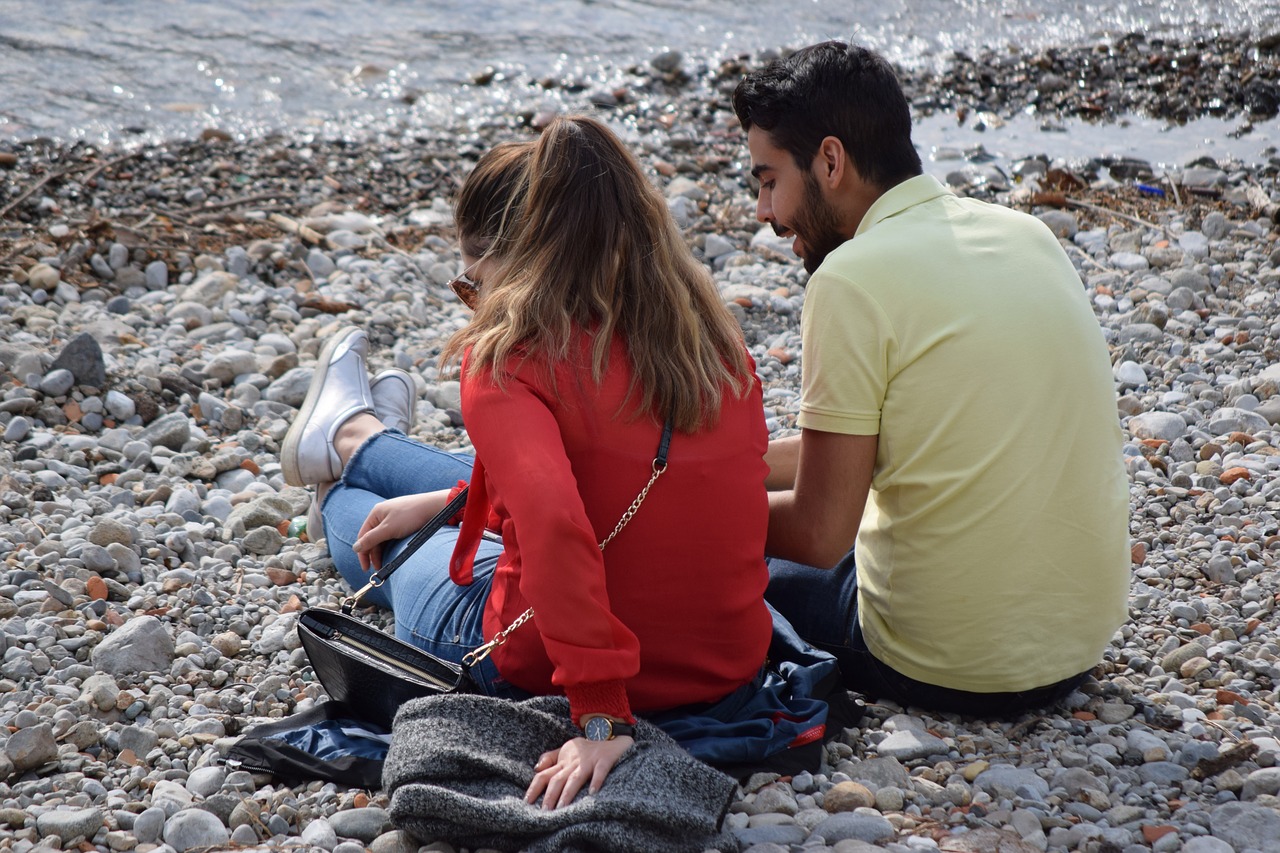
{"x": 394, "y": 396}
{"x": 339, "y": 391}
{"x": 315, "y": 520}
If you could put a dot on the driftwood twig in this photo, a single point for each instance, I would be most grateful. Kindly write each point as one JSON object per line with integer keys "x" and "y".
{"x": 1084, "y": 205}
{"x": 94, "y": 168}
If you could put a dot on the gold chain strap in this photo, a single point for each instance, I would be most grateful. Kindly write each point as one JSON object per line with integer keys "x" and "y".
{"x": 635, "y": 504}
{"x": 475, "y": 656}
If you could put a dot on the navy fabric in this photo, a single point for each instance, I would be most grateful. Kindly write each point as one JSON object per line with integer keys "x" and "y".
{"x": 783, "y": 709}
{"x": 824, "y": 605}
{"x": 332, "y": 739}
{"x": 284, "y": 747}
{"x": 776, "y": 722}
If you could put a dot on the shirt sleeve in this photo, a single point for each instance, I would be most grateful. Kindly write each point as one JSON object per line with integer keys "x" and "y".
{"x": 848, "y": 353}
{"x": 562, "y": 575}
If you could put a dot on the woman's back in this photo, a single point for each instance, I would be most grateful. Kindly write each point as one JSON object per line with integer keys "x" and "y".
{"x": 681, "y": 594}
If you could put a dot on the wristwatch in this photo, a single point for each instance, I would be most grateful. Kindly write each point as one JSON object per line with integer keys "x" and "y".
{"x": 603, "y": 728}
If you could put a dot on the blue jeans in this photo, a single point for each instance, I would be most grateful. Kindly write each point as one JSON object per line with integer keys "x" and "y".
{"x": 432, "y": 612}
{"x": 823, "y": 607}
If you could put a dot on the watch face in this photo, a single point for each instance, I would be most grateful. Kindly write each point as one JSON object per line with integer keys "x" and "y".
{"x": 598, "y": 728}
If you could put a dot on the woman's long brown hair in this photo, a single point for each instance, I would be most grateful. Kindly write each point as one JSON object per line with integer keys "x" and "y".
{"x": 580, "y": 239}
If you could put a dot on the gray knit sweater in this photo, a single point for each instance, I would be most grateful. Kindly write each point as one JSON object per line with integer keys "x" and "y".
{"x": 459, "y": 766}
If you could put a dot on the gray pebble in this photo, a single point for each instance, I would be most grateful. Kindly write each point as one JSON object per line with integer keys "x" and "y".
{"x": 57, "y": 382}
{"x": 862, "y": 825}
{"x": 362, "y": 824}
{"x": 101, "y": 268}
{"x": 244, "y": 835}
{"x": 1246, "y": 826}
{"x": 667, "y": 61}
{"x": 395, "y": 841}
{"x": 717, "y": 245}
{"x": 31, "y": 747}
{"x": 350, "y": 847}
{"x": 157, "y": 275}
{"x": 97, "y": 559}
{"x": 171, "y": 431}
{"x": 1162, "y": 425}
{"x": 206, "y": 781}
{"x": 889, "y": 799}
{"x": 1220, "y": 569}
{"x": 320, "y": 264}
{"x": 120, "y": 406}
{"x": 237, "y": 480}
{"x": 69, "y": 824}
{"x": 1194, "y": 243}
{"x": 17, "y": 429}
{"x": 1129, "y": 262}
{"x": 190, "y": 829}
{"x": 140, "y": 645}
{"x": 1215, "y": 225}
{"x": 1262, "y": 781}
{"x": 117, "y": 256}
{"x": 1130, "y": 374}
{"x": 291, "y": 388}
{"x": 149, "y": 825}
{"x": 876, "y": 773}
{"x": 210, "y": 287}
{"x": 1163, "y": 773}
{"x": 1062, "y": 223}
{"x": 1206, "y": 844}
{"x": 1004, "y": 780}
{"x": 318, "y": 833}
{"x": 910, "y": 745}
{"x": 784, "y": 835}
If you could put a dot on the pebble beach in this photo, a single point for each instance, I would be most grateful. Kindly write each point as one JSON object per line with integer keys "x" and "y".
{"x": 161, "y": 309}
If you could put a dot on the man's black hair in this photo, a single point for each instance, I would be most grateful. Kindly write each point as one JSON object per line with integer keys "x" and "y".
{"x": 833, "y": 89}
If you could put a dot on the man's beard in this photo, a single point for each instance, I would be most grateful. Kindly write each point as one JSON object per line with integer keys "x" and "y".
{"x": 816, "y": 225}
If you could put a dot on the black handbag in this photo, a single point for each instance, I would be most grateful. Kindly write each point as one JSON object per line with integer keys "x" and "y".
{"x": 372, "y": 672}
{"x": 368, "y": 670}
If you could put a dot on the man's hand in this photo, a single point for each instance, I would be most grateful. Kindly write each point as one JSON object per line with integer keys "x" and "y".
{"x": 394, "y": 519}
{"x": 562, "y": 772}
{"x": 817, "y": 522}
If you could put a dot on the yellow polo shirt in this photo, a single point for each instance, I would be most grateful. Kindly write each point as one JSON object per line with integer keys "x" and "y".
{"x": 993, "y": 555}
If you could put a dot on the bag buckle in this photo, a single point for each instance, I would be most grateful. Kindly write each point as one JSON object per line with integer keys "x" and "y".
{"x": 349, "y": 603}
{"x": 477, "y": 655}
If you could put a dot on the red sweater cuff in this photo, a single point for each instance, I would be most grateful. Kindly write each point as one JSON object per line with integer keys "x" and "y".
{"x": 453, "y": 493}
{"x": 599, "y": 697}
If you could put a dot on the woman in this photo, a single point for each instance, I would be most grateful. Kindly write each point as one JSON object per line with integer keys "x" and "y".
{"x": 593, "y": 325}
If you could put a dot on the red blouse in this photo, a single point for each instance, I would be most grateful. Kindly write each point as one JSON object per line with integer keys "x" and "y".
{"x": 672, "y": 611}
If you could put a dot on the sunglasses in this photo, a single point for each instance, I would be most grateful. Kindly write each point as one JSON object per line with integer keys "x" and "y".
{"x": 465, "y": 288}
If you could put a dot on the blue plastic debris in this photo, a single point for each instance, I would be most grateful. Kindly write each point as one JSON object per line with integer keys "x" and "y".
{"x": 1150, "y": 190}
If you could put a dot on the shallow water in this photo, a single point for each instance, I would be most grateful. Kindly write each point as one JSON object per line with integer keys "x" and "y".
{"x": 120, "y": 70}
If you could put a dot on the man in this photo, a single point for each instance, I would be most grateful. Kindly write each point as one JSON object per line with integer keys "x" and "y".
{"x": 958, "y": 419}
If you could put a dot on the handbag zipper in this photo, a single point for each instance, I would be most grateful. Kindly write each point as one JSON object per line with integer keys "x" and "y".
{"x": 339, "y": 637}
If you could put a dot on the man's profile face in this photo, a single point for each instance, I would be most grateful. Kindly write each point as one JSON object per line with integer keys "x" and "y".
{"x": 791, "y": 201}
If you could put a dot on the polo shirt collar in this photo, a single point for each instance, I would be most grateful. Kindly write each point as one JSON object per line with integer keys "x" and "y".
{"x": 907, "y": 194}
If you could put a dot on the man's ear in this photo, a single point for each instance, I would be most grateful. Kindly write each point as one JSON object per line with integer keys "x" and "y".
{"x": 831, "y": 162}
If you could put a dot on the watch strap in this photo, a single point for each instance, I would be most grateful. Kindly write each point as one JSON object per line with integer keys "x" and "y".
{"x": 615, "y": 729}
{"x": 621, "y": 729}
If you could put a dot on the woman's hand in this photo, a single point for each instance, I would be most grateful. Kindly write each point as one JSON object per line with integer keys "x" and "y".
{"x": 395, "y": 519}
{"x": 562, "y": 772}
